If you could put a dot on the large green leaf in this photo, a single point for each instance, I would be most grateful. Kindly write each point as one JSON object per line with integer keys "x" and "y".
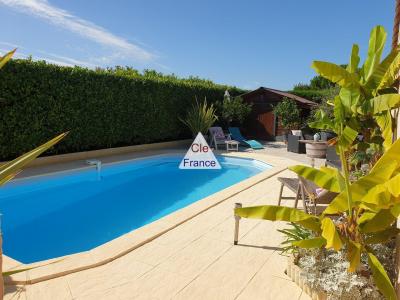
{"x": 350, "y": 98}
{"x": 339, "y": 106}
{"x": 383, "y": 74}
{"x": 322, "y": 122}
{"x": 391, "y": 155}
{"x": 4, "y": 59}
{"x": 379, "y": 173}
{"x": 384, "y": 102}
{"x": 354, "y": 255}
{"x": 382, "y": 236}
{"x": 391, "y": 74}
{"x": 395, "y": 210}
{"x": 354, "y": 59}
{"x": 330, "y": 234}
{"x": 10, "y": 169}
{"x": 393, "y": 185}
{"x": 376, "y": 44}
{"x": 327, "y": 178}
{"x": 374, "y": 222}
{"x": 385, "y": 123}
{"x": 335, "y": 73}
{"x": 347, "y": 137}
{"x": 381, "y": 278}
{"x": 280, "y": 213}
{"x": 317, "y": 242}
{"x": 379, "y": 196}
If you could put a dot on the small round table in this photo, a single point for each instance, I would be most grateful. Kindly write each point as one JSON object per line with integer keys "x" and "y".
{"x": 315, "y": 149}
{"x": 232, "y": 145}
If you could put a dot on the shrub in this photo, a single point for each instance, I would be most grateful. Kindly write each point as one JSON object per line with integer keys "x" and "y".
{"x": 313, "y": 95}
{"x": 234, "y": 111}
{"x": 101, "y": 108}
{"x": 288, "y": 112}
{"x": 200, "y": 117}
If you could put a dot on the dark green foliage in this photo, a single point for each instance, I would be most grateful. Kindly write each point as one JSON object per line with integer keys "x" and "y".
{"x": 200, "y": 117}
{"x": 314, "y": 95}
{"x": 317, "y": 90}
{"x": 324, "y": 104}
{"x": 294, "y": 233}
{"x": 234, "y": 111}
{"x": 288, "y": 113}
{"x": 102, "y": 108}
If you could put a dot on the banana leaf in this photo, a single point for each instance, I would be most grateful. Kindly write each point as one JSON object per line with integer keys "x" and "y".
{"x": 330, "y": 234}
{"x": 361, "y": 187}
{"x": 317, "y": 242}
{"x": 354, "y": 59}
{"x": 4, "y": 59}
{"x": 376, "y": 44}
{"x": 381, "y": 77}
{"x": 382, "y": 236}
{"x": 280, "y": 213}
{"x": 353, "y": 255}
{"x": 381, "y": 278}
{"x": 10, "y": 170}
{"x": 373, "y": 222}
{"x": 385, "y": 123}
{"x": 385, "y": 102}
{"x": 327, "y": 178}
{"x": 336, "y": 74}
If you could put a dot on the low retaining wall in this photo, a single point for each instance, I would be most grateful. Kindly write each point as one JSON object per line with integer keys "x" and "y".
{"x": 106, "y": 152}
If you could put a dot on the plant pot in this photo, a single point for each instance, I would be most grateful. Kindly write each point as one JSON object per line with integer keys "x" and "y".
{"x": 316, "y": 150}
{"x": 294, "y": 272}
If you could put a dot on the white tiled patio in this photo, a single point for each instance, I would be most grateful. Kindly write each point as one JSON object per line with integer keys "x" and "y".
{"x": 196, "y": 260}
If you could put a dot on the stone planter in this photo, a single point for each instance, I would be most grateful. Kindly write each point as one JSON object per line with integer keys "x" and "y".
{"x": 316, "y": 149}
{"x": 294, "y": 272}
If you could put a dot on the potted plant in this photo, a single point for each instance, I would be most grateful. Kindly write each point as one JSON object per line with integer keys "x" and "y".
{"x": 200, "y": 117}
{"x": 234, "y": 111}
{"x": 288, "y": 114}
{"x": 359, "y": 224}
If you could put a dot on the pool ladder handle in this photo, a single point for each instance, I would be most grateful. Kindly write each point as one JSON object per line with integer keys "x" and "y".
{"x": 237, "y": 219}
{"x": 95, "y": 162}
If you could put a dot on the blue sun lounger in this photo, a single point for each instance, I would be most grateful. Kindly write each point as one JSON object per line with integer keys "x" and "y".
{"x": 237, "y": 136}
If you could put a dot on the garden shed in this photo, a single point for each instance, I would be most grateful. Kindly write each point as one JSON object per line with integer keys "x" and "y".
{"x": 262, "y": 123}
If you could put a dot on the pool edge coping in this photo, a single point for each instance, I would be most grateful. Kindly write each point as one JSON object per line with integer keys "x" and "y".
{"x": 118, "y": 247}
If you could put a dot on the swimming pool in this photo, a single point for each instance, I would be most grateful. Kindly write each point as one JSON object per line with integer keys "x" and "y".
{"x": 64, "y": 213}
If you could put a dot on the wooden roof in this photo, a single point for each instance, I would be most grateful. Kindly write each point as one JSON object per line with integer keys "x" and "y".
{"x": 300, "y": 100}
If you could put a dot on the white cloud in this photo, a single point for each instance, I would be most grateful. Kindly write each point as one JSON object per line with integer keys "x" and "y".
{"x": 62, "y": 18}
{"x": 19, "y": 54}
{"x": 43, "y": 55}
{"x": 66, "y": 60}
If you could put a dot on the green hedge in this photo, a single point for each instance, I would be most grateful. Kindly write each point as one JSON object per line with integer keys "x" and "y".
{"x": 313, "y": 95}
{"x": 101, "y": 109}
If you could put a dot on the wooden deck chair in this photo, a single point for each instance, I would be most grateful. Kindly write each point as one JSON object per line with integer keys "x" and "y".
{"x": 218, "y": 137}
{"x": 305, "y": 189}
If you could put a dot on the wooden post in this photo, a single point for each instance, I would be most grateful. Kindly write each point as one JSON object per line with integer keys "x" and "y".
{"x": 237, "y": 219}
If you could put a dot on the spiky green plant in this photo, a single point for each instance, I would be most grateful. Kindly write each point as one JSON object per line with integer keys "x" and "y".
{"x": 293, "y": 234}
{"x": 200, "y": 117}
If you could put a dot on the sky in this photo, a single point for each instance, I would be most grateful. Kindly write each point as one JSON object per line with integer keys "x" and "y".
{"x": 247, "y": 44}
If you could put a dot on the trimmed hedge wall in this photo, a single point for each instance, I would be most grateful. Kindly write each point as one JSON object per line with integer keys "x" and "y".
{"x": 314, "y": 95}
{"x": 101, "y": 109}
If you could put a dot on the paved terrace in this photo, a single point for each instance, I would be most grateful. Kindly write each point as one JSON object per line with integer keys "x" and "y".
{"x": 196, "y": 260}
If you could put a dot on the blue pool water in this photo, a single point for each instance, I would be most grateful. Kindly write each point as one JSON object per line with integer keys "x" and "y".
{"x": 65, "y": 213}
